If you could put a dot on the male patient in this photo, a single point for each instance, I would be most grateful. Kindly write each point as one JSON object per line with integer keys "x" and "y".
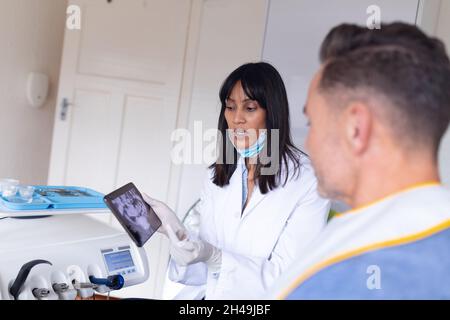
{"x": 378, "y": 108}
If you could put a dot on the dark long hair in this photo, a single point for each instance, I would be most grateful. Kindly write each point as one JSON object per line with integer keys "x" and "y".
{"x": 261, "y": 82}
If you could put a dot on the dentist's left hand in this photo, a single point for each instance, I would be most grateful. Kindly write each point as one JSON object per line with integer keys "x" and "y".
{"x": 184, "y": 251}
{"x": 189, "y": 251}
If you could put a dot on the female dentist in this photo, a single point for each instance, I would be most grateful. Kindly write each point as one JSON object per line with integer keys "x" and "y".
{"x": 253, "y": 222}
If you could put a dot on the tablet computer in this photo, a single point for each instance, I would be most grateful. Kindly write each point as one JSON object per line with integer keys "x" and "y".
{"x": 137, "y": 218}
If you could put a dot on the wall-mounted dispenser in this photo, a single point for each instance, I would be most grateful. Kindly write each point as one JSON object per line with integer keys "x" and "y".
{"x": 37, "y": 89}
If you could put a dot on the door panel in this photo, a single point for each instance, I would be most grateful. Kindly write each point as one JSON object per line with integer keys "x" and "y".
{"x": 94, "y": 140}
{"x": 141, "y": 49}
{"x": 145, "y": 144}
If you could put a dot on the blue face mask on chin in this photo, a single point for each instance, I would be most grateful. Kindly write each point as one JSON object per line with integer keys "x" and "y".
{"x": 254, "y": 149}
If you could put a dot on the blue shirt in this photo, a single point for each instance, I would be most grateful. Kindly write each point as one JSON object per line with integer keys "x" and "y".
{"x": 244, "y": 185}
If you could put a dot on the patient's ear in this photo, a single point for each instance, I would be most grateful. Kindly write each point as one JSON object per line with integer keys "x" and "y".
{"x": 358, "y": 126}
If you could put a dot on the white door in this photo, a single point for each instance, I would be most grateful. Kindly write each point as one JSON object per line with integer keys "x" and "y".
{"x": 119, "y": 87}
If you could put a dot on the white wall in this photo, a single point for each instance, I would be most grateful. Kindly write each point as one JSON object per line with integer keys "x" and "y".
{"x": 295, "y": 31}
{"x": 31, "y": 32}
{"x": 443, "y": 26}
{"x": 443, "y": 32}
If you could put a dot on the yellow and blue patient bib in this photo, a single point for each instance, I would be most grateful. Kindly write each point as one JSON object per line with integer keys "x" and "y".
{"x": 412, "y": 270}
{"x": 396, "y": 248}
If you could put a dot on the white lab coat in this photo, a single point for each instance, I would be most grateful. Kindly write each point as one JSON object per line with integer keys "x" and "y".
{"x": 260, "y": 244}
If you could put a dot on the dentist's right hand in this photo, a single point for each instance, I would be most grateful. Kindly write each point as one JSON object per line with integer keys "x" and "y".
{"x": 167, "y": 216}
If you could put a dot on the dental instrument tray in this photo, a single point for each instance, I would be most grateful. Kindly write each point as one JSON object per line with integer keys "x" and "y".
{"x": 56, "y": 197}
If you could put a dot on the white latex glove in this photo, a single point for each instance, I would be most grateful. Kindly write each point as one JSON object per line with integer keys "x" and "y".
{"x": 167, "y": 217}
{"x": 189, "y": 251}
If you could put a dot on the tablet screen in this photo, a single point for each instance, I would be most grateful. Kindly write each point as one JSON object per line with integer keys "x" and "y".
{"x": 136, "y": 216}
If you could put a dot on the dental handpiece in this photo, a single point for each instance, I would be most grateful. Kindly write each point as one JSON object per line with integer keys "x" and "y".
{"x": 64, "y": 292}
{"x": 41, "y": 293}
{"x": 84, "y": 289}
{"x": 60, "y": 287}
